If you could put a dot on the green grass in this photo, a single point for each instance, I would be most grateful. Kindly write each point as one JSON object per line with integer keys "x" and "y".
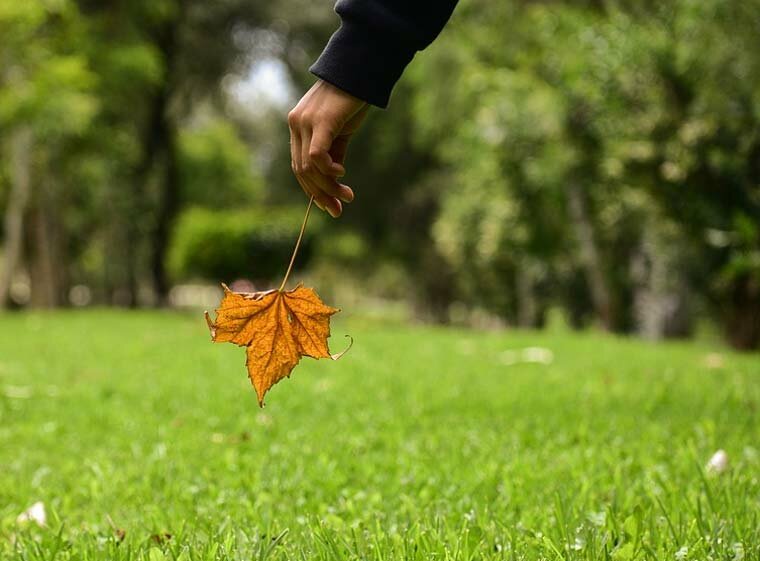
{"x": 421, "y": 444}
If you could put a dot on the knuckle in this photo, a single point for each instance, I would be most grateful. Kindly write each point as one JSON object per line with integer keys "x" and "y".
{"x": 306, "y": 118}
{"x": 294, "y": 117}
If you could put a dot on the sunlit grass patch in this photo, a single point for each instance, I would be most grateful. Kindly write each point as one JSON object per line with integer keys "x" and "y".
{"x": 144, "y": 441}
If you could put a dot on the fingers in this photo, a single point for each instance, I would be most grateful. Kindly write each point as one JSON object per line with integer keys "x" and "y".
{"x": 320, "y": 126}
{"x": 315, "y": 170}
{"x": 331, "y": 206}
{"x": 321, "y": 185}
{"x": 323, "y": 170}
{"x": 295, "y": 143}
{"x": 308, "y": 180}
{"x": 322, "y": 140}
{"x": 339, "y": 148}
{"x": 331, "y": 187}
{"x": 319, "y": 167}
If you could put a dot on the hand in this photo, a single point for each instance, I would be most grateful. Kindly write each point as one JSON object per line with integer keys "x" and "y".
{"x": 321, "y": 126}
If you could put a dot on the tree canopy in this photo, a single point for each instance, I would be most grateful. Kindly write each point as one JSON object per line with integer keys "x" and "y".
{"x": 598, "y": 158}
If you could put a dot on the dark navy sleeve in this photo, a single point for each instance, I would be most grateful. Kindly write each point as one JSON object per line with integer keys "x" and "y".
{"x": 375, "y": 42}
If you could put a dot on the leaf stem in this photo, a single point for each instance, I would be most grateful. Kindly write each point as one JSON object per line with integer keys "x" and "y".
{"x": 298, "y": 243}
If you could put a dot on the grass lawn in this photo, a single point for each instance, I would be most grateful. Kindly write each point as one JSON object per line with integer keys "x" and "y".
{"x": 421, "y": 443}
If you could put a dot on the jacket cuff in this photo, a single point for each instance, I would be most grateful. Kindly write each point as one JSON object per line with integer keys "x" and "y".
{"x": 364, "y": 62}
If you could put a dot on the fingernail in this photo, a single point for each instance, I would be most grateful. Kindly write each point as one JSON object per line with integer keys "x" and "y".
{"x": 348, "y": 195}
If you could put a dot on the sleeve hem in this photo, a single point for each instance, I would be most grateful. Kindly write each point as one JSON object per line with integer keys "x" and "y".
{"x": 364, "y": 62}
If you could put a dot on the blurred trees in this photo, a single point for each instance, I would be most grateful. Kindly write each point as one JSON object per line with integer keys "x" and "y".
{"x": 47, "y": 105}
{"x": 100, "y": 91}
{"x": 615, "y": 144}
{"x": 598, "y": 158}
{"x": 190, "y": 45}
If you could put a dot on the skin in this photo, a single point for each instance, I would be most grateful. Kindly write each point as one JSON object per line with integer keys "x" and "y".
{"x": 321, "y": 126}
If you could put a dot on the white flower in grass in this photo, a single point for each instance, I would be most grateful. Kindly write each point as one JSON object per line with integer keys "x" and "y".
{"x": 718, "y": 463}
{"x": 682, "y": 553}
{"x": 598, "y": 519}
{"x": 35, "y": 513}
{"x": 539, "y": 355}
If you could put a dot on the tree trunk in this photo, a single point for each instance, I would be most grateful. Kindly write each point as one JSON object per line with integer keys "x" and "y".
{"x": 163, "y": 136}
{"x": 742, "y": 322}
{"x": 660, "y": 290}
{"x": 590, "y": 259}
{"x": 153, "y": 144}
{"x": 528, "y": 311}
{"x": 45, "y": 244}
{"x": 168, "y": 208}
{"x": 21, "y": 177}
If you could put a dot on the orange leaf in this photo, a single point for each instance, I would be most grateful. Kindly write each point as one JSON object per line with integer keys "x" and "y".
{"x": 277, "y": 327}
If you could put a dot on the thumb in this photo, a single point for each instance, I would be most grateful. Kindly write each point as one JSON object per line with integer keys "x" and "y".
{"x": 339, "y": 148}
{"x": 319, "y": 152}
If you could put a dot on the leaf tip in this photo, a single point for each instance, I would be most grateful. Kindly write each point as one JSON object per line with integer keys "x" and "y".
{"x": 211, "y": 326}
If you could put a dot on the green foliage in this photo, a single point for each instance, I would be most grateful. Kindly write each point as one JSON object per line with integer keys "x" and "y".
{"x": 619, "y": 112}
{"x": 106, "y": 87}
{"x": 745, "y": 255}
{"x": 216, "y": 167}
{"x": 230, "y": 244}
{"x": 601, "y": 158}
{"x": 443, "y": 448}
{"x": 56, "y": 99}
{"x": 43, "y": 84}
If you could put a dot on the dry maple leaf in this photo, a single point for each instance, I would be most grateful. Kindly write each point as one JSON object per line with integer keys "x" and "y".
{"x": 277, "y": 327}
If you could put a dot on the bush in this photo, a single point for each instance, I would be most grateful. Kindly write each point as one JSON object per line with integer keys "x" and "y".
{"x": 216, "y": 168}
{"x": 224, "y": 245}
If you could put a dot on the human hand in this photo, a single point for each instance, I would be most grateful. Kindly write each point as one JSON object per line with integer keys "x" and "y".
{"x": 321, "y": 125}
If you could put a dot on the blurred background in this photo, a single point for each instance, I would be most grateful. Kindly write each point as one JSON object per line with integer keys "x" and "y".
{"x": 589, "y": 164}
